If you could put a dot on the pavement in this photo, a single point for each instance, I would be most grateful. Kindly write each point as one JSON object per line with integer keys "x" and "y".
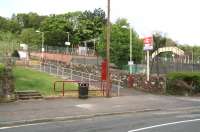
{"x": 60, "y": 109}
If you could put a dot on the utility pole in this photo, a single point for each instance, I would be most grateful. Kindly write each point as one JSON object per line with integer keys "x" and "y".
{"x": 108, "y": 53}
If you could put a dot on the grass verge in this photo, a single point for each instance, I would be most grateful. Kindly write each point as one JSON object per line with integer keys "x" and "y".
{"x": 28, "y": 79}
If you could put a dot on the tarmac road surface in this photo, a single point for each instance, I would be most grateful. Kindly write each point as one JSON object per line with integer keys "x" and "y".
{"x": 156, "y": 121}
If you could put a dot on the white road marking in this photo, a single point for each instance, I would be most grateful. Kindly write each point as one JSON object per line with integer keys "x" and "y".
{"x": 85, "y": 106}
{"x": 161, "y": 125}
{"x": 8, "y": 127}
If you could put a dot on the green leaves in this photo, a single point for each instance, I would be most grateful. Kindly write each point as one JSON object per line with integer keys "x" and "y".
{"x": 120, "y": 44}
{"x": 30, "y": 37}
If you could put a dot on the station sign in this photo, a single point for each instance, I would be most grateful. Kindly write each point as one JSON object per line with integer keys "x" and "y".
{"x": 148, "y": 43}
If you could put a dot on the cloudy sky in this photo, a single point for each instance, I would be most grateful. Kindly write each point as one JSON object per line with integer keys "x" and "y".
{"x": 179, "y": 19}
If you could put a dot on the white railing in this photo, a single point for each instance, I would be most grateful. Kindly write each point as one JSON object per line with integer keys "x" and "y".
{"x": 70, "y": 74}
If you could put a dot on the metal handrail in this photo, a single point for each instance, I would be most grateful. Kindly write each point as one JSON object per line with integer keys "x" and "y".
{"x": 72, "y": 81}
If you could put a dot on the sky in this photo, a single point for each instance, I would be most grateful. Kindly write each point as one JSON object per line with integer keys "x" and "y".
{"x": 178, "y": 19}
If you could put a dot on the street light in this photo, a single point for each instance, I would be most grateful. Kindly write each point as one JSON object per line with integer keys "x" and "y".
{"x": 130, "y": 63}
{"x": 37, "y": 31}
{"x": 67, "y": 36}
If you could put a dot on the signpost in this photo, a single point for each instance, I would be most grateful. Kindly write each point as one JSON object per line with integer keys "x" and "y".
{"x": 148, "y": 45}
{"x": 67, "y": 43}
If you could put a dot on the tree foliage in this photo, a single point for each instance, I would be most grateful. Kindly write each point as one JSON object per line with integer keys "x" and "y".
{"x": 30, "y": 37}
{"x": 119, "y": 47}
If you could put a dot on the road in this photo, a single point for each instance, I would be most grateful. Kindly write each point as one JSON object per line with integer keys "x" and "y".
{"x": 155, "y": 121}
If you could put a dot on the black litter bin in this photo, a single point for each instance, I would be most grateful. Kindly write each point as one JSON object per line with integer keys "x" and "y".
{"x": 83, "y": 90}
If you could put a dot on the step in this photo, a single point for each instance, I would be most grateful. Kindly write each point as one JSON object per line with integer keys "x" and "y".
{"x": 29, "y": 94}
{"x": 29, "y": 97}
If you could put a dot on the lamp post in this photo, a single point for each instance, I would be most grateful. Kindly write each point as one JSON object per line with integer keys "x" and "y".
{"x": 130, "y": 63}
{"x": 67, "y": 43}
{"x": 67, "y": 36}
{"x": 37, "y": 31}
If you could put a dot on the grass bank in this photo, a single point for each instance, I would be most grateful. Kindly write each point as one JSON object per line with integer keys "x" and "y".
{"x": 28, "y": 79}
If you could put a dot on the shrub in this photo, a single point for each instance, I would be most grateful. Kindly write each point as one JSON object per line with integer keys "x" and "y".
{"x": 181, "y": 83}
{"x": 2, "y": 69}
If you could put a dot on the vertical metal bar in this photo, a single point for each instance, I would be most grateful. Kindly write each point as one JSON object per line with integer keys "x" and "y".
{"x": 130, "y": 66}
{"x": 118, "y": 88}
{"x": 63, "y": 71}
{"x": 89, "y": 79}
{"x": 57, "y": 70}
{"x": 71, "y": 74}
{"x": 54, "y": 87}
{"x": 81, "y": 76}
{"x": 147, "y": 65}
{"x": 44, "y": 67}
{"x": 41, "y": 66}
{"x": 50, "y": 68}
{"x": 63, "y": 88}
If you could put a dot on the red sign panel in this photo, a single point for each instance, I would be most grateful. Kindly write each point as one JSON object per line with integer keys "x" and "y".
{"x": 148, "y": 43}
{"x": 103, "y": 70}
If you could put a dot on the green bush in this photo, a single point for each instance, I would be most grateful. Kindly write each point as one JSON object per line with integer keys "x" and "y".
{"x": 2, "y": 69}
{"x": 181, "y": 83}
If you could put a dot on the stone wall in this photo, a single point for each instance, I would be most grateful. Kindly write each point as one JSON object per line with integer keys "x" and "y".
{"x": 154, "y": 85}
{"x": 7, "y": 86}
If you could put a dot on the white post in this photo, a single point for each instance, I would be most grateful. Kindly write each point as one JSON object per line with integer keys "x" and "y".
{"x": 147, "y": 65}
{"x": 43, "y": 46}
{"x": 118, "y": 88}
{"x": 130, "y": 66}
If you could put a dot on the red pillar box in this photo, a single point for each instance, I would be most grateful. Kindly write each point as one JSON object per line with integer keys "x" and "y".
{"x": 103, "y": 70}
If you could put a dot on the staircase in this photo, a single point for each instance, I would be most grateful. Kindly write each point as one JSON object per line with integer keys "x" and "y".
{"x": 25, "y": 95}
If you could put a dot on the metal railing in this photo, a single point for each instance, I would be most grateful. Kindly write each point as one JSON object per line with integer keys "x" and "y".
{"x": 94, "y": 87}
{"x": 70, "y": 74}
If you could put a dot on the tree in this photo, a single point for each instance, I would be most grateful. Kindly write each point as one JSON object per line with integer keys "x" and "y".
{"x": 91, "y": 24}
{"x": 120, "y": 45}
{"x": 56, "y": 28}
{"x": 30, "y": 20}
{"x": 30, "y": 37}
{"x": 81, "y": 26}
{"x": 3, "y": 24}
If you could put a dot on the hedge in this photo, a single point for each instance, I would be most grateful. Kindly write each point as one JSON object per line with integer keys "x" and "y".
{"x": 183, "y": 83}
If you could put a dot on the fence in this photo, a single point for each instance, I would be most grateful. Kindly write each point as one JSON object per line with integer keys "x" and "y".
{"x": 64, "y": 50}
{"x": 165, "y": 65}
{"x": 70, "y": 74}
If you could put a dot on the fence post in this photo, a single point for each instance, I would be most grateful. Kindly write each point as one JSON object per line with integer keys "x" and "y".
{"x": 50, "y": 68}
{"x": 44, "y": 68}
{"x": 40, "y": 66}
{"x": 89, "y": 78}
{"x": 57, "y": 70}
{"x": 81, "y": 76}
{"x": 71, "y": 74}
{"x": 63, "y": 71}
{"x": 118, "y": 88}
